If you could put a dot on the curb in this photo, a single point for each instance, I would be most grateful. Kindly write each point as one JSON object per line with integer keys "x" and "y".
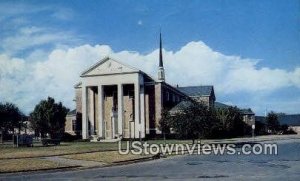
{"x": 40, "y": 170}
{"x": 120, "y": 163}
{"x": 133, "y": 160}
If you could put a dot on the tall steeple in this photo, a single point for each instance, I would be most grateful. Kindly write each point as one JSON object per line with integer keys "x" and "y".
{"x": 161, "y": 71}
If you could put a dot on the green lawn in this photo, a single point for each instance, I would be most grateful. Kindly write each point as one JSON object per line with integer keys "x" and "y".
{"x": 66, "y": 148}
{"x": 170, "y": 141}
{"x": 28, "y": 164}
{"x": 8, "y": 151}
{"x": 105, "y": 157}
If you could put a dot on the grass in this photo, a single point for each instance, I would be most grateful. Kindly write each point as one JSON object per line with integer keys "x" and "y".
{"x": 27, "y": 158}
{"x": 30, "y": 164}
{"x": 105, "y": 157}
{"x": 67, "y": 148}
{"x": 16, "y": 159}
{"x": 10, "y": 152}
{"x": 173, "y": 141}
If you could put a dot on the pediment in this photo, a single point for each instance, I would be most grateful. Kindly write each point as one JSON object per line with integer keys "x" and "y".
{"x": 108, "y": 66}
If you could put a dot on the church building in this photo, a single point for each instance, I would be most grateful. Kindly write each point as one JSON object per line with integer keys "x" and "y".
{"x": 116, "y": 101}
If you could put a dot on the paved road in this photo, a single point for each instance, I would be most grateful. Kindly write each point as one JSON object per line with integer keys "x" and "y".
{"x": 285, "y": 166}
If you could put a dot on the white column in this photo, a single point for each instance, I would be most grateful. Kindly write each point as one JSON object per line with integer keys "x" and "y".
{"x": 113, "y": 125}
{"x": 91, "y": 110}
{"x": 142, "y": 117}
{"x": 137, "y": 109}
{"x": 84, "y": 113}
{"x": 120, "y": 109}
{"x": 100, "y": 111}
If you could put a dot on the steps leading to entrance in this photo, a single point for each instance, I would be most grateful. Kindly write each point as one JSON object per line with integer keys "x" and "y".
{"x": 110, "y": 140}
{"x": 95, "y": 138}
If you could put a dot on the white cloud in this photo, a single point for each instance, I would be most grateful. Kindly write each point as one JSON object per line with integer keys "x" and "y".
{"x": 296, "y": 77}
{"x": 19, "y": 9}
{"x": 8, "y": 66}
{"x": 29, "y": 37}
{"x": 20, "y": 34}
{"x": 8, "y": 9}
{"x": 27, "y": 81}
{"x": 63, "y": 14}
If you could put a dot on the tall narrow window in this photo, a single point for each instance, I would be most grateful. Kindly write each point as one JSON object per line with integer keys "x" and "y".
{"x": 168, "y": 96}
{"x": 73, "y": 125}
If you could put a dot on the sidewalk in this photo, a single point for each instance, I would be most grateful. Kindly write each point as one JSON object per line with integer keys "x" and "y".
{"x": 73, "y": 162}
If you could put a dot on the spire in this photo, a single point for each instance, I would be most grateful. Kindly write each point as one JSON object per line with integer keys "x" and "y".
{"x": 160, "y": 52}
{"x": 161, "y": 71}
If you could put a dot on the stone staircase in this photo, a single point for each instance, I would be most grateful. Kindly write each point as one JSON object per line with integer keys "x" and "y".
{"x": 96, "y": 138}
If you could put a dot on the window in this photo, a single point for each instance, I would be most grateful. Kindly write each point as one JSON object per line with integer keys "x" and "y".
{"x": 168, "y": 96}
{"x": 73, "y": 125}
{"x": 177, "y": 99}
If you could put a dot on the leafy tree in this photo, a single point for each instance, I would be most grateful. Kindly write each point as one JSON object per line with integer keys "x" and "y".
{"x": 48, "y": 117}
{"x": 10, "y": 117}
{"x": 192, "y": 122}
{"x": 284, "y": 128}
{"x": 260, "y": 128}
{"x": 230, "y": 121}
{"x": 164, "y": 123}
{"x": 272, "y": 121}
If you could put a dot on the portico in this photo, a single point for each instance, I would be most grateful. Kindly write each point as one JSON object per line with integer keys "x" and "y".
{"x": 106, "y": 88}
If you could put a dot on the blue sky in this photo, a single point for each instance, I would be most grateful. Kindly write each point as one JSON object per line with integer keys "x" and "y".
{"x": 262, "y": 33}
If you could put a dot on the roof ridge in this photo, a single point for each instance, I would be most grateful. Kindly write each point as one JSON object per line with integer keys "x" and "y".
{"x": 197, "y": 86}
{"x": 106, "y": 58}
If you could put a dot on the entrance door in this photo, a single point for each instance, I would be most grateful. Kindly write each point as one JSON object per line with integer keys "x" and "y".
{"x": 111, "y": 127}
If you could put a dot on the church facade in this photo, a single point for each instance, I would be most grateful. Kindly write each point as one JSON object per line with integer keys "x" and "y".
{"x": 116, "y": 101}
